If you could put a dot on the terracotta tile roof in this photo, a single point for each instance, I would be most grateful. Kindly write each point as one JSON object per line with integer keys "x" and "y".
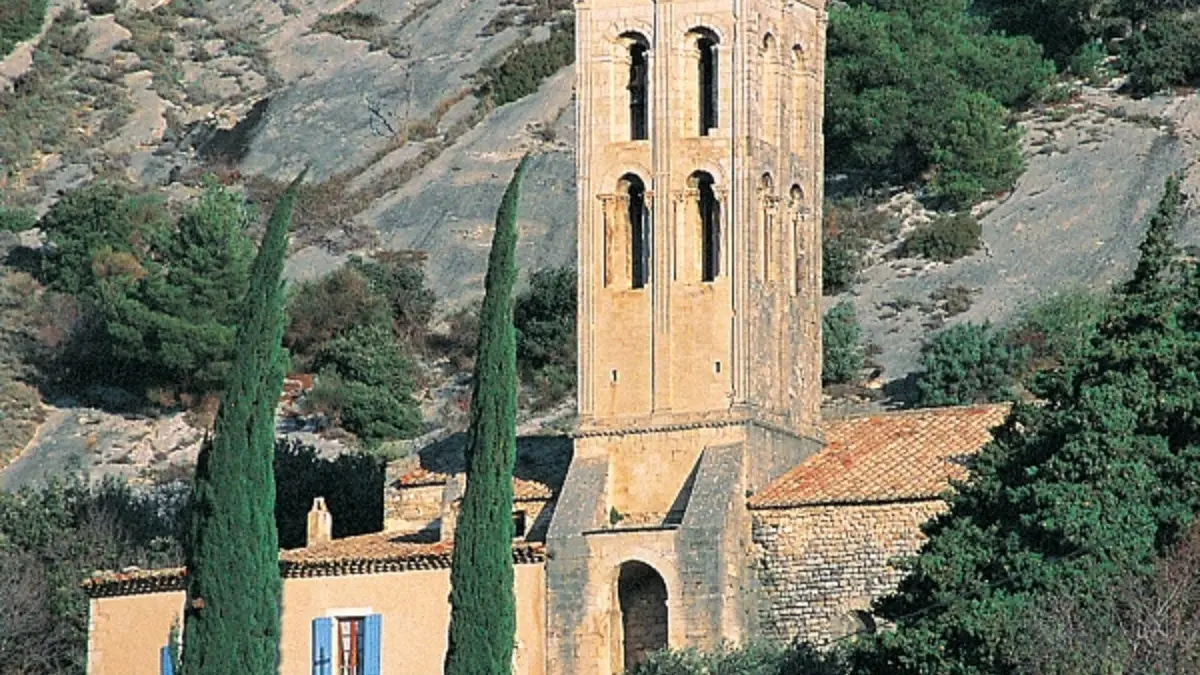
{"x": 886, "y": 457}
{"x": 365, "y": 554}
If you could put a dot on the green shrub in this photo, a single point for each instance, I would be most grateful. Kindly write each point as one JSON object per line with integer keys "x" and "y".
{"x": 840, "y": 344}
{"x": 99, "y": 217}
{"x": 19, "y": 20}
{"x": 974, "y": 151}
{"x": 840, "y": 262}
{"x": 523, "y": 69}
{"x": 327, "y": 308}
{"x": 966, "y": 364}
{"x": 945, "y": 238}
{"x": 1166, "y": 53}
{"x": 544, "y": 315}
{"x": 918, "y": 84}
{"x": 458, "y": 341}
{"x": 1057, "y": 330}
{"x": 16, "y": 220}
{"x": 398, "y": 278}
{"x": 102, "y": 6}
{"x": 1087, "y": 60}
{"x": 364, "y": 383}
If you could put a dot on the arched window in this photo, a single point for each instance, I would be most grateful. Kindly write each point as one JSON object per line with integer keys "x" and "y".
{"x": 627, "y": 235}
{"x": 800, "y": 122}
{"x": 639, "y": 231}
{"x": 708, "y": 92}
{"x": 709, "y": 211}
{"x": 770, "y": 90}
{"x": 638, "y": 87}
{"x": 766, "y": 189}
{"x": 796, "y": 207}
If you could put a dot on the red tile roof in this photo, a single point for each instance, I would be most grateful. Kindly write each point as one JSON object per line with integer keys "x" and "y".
{"x": 886, "y": 457}
{"x": 365, "y": 554}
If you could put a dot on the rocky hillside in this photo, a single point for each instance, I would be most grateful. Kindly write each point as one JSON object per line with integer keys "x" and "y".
{"x": 380, "y": 98}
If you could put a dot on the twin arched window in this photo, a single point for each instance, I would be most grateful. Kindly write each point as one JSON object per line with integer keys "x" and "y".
{"x": 628, "y": 233}
{"x": 707, "y": 99}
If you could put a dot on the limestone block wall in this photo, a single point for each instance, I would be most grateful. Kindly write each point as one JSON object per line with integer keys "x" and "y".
{"x": 819, "y": 565}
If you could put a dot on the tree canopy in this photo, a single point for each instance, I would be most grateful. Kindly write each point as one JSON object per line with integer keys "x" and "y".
{"x": 1095, "y": 481}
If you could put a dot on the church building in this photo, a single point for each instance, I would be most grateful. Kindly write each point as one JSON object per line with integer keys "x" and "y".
{"x": 702, "y": 499}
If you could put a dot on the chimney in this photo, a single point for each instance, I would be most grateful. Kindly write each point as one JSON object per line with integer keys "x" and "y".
{"x": 320, "y": 523}
{"x": 451, "y": 499}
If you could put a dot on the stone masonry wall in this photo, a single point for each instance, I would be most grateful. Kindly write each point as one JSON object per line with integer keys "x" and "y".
{"x": 819, "y": 566}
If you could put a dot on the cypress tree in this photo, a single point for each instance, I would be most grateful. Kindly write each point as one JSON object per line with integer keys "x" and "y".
{"x": 482, "y": 614}
{"x": 231, "y": 620}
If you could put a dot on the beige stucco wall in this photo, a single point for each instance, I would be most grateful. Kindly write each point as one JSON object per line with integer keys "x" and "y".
{"x": 127, "y": 632}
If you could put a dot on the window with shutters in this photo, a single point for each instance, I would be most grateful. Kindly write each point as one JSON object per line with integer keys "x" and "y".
{"x": 350, "y": 646}
{"x": 347, "y": 644}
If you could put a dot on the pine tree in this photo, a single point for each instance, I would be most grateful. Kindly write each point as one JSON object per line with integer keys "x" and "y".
{"x": 1090, "y": 485}
{"x": 231, "y": 621}
{"x": 482, "y": 613}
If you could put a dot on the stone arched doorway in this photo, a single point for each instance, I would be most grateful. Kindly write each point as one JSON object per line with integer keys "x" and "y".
{"x": 642, "y": 595}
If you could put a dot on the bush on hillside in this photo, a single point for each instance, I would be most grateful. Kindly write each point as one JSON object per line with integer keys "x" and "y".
{"x": 19, "y": 20}
{"x": 1056, "y": 331}
{"x": 399, "y": 279}
{"x": 544, "y": 316}
{"x": 101, "y": 217}
{"x": 364, "y": 383}
{"x": 458, "y": 340}
{"x": 966, "y": 364}
{"x": 327, "y": 308}
{"x": 920, "y": 84}
{"x": 16, "y": 220}
{"x": 847, "y": 226}
{"x": 945, "y": 238}
{"x": 1165, "y": 54}
{"x": 841, "y": 345}
{"x": 523, "y": 69}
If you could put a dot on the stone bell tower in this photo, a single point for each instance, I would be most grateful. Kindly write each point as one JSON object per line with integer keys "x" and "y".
{"x": 699, "y": 180}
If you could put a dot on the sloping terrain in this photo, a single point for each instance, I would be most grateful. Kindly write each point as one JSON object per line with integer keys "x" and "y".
{"x": 1073, "y": 221}
{"x": 380, "y": 98}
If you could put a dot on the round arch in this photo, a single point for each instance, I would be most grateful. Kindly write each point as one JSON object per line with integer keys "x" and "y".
{"x": 643, "y": 602}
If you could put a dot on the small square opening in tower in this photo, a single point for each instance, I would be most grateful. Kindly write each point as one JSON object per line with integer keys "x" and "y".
{"x": 717, "y": 366}
{"x": 614, "y": 376}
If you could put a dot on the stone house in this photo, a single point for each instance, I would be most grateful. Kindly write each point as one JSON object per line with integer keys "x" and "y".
{"x": 702, "y": 498}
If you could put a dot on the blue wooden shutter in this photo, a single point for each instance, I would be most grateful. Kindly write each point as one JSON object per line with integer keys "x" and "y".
{"x": 166, "y": 665}
{"x": 322, "y": 646}
{"x": 372, "y": 625}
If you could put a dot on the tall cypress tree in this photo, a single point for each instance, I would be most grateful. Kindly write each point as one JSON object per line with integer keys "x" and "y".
{"x": 231, "y": 621}
{"x": 483, "y": 619}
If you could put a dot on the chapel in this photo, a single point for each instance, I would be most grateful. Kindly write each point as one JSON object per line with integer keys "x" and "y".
{"x": 702, "y": 498}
